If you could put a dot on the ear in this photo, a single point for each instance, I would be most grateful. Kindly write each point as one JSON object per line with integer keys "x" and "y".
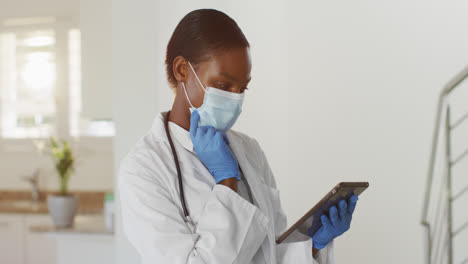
{"x": 179, "y": 68}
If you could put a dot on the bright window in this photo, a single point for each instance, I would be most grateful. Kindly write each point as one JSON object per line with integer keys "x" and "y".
{"x": 31, "y": 102}
{"x": 27, "y": 82}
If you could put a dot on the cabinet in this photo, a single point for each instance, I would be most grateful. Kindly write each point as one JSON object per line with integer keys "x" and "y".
{"x": 11, "y": 239}
{"x": 39, "y": 249}
{"x": 18, "y": 245}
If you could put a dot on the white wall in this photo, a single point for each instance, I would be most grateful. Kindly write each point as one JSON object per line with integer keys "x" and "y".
{"x": 342, "y": 90}
{"x": 367, "y": 74}
{"x": 27, "y": 8}
{"x": 134, "y": 91}
{"x": 95, "y": 26}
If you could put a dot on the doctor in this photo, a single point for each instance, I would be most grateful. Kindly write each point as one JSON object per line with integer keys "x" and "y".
{"x": 194, "y": 191}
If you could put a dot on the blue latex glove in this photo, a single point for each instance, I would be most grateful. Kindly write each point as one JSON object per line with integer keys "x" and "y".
{"x": 211, "y": 146}
{"x": 339, "y": 223}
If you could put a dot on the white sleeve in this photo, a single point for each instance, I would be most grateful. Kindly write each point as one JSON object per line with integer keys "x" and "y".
{"x": 229, "y": 230}
{"x": 297, "y": 246}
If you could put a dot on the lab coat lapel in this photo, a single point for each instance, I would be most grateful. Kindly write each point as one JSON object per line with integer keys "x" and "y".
{"x": 249, "y": 170}
{"x": 252, "y": 173}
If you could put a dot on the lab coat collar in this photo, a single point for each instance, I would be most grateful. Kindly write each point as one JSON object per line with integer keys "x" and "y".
{"x": 178, "y": 133}
{"x": 182, "y": 136}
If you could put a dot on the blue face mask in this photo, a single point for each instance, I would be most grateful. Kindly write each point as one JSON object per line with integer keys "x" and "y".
{"x": 220, "y": 109}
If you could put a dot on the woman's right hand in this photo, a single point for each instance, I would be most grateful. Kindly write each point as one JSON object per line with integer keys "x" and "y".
{"x": 212, "y": 148}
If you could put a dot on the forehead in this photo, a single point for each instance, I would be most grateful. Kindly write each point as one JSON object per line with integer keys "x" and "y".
{"x": 236, "y": 63}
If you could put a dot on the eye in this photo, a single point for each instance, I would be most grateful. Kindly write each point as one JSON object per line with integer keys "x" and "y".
{"x": 222, "y": 85}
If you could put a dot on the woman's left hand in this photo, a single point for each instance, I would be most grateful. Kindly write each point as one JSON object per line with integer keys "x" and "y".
{"x": 339, "y": 223}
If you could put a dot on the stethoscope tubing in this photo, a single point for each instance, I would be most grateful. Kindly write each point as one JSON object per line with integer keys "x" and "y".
{"x": 179, "y": 173}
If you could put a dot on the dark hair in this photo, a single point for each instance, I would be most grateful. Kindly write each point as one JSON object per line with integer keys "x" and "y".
{"x": 200, "y": 34}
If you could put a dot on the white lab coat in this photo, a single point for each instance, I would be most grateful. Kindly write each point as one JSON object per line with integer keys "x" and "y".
{"x": 229, "y": 229}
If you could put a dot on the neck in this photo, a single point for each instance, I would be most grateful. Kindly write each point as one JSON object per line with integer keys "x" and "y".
{"x": 180, "y": 113}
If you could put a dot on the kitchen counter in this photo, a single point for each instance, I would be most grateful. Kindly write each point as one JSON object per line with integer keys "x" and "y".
{"x": 37, "y": 207}
{"x": 88, "y": 220}
{"x": 19, "y": 202}
{"x": 91, "y": 224}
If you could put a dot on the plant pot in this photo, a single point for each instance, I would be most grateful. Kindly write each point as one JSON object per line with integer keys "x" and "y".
{"x": 62, "y": 208}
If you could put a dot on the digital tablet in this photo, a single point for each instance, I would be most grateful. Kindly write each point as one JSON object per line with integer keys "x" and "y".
{"x": 343, "y": 190}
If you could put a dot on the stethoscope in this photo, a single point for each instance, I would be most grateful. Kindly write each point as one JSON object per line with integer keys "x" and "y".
{"x": 187, "y": 218}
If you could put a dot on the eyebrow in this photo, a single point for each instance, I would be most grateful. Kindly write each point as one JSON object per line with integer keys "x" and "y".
{"x": 227, "y": 75}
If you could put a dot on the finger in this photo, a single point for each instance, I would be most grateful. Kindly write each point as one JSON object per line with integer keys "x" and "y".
{"x": 352, "y": 203}
{"x": 343, "y": 206}
{"x": 210, "y": 132}
{"x": 325, "y": 221}
{"x": 334, "y": 215}
{"x": 219, "y": 136}
{"x": 201, "y": 131}
{"x": 194, "y": 118}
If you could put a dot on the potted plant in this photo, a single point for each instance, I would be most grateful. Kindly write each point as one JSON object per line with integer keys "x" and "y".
{"x": 63, "y": 205}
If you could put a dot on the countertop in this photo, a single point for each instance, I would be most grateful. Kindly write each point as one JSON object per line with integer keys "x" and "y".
{"x": 83, "y": 225}
{"x": 19, "y": 202}
{"x": 89, "y": 219}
